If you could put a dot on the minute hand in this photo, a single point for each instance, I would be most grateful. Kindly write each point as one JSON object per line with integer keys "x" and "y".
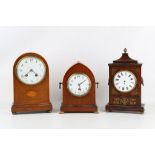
{"x": 81, "y": 83}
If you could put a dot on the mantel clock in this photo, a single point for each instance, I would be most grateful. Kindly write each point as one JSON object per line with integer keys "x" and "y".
{"x": 79, "y": 90}
{"x": 31, "y": 84}
{"x": 125, "y": 85}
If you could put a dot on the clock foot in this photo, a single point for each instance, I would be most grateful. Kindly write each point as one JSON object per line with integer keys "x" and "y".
{"x": 61, "y": 112}
{"x": 49, "y": 111}
{"x": 96, "y": 112}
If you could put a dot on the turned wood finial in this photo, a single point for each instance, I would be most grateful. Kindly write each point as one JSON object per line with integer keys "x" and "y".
{"x": 125, "y": 50}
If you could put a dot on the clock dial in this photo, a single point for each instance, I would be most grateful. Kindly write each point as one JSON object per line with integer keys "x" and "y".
{"x": 125, "y": 81}
{"x": 79, "y": 84}
{"x": 31, "y": 70}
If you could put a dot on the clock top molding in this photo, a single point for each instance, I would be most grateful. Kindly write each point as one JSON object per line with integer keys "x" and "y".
{"x": 125, "y": 60}
{"x": 79, "y": 68}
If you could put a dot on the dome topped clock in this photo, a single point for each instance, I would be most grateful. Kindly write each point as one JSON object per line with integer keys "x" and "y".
{"x": 125, "y": 85}
{"x": 31, "y": 84}
{"x": 79, "y": 92}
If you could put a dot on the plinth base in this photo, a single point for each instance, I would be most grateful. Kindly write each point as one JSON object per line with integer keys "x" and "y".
{"x": 27, "y": 108}
{"x": 121, "y": 108}
{"x": 87, "y": 108}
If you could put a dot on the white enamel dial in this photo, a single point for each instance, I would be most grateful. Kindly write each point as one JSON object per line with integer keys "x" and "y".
{"x": 31, "y": 70}
{"x": 125, "y": 81}
{"x": 79, "y": 84}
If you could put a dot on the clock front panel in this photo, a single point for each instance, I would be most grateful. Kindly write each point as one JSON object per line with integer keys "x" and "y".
{"x": 125, "y": 86}
{"x": 31, "y": 79}
{"x": 31, "y": 84}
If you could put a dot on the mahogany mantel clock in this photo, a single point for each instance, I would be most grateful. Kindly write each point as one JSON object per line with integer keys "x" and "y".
{"x": 79, "y": 90}
{"x": 31, "y": 84}
{"x": 125, "y": 85}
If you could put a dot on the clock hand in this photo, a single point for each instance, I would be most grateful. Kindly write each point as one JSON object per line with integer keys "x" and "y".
{"x": 81, "y": 83}
{"x": 31, "y": 70}
{"x": 79, "y": 88}
{"x": 26, "y": 75}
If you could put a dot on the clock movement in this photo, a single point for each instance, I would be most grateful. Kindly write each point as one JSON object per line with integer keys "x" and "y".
{"x": 79, "y": 90}
{"x": 31, "y": 84}
{"x": 125, "y": 85}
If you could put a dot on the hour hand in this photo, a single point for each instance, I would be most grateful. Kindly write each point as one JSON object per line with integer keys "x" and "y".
{"x": 79, "y": 87}
{"x": 31, "y": 70}
{"x": 26, "y": 75}
{"x": 34, "y": 72}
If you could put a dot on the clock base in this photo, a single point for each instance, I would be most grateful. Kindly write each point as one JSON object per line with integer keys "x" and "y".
{"x": 27, "y": 108}
{"x": 120, "y": 108}
{"x": 87, "y": 108}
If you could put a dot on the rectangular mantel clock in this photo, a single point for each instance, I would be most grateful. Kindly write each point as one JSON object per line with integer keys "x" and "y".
{"x": 125, "y": 85}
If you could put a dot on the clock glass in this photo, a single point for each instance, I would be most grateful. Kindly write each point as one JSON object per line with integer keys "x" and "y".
{"x": 31, "y": 70}
{"x": 79, "y": 84}
{"x": 125, "y": 81}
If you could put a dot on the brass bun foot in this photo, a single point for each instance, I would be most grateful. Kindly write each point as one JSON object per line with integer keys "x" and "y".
{"x": 61, "y": 112}
{"x": 49, "y": 111}
{"x": 96, "y": 112}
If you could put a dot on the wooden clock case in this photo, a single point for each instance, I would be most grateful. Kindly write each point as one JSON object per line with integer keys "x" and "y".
{"x": 125, "y": 102}
{"x": 85, "y": 103}
{"x": 31, "y": 98}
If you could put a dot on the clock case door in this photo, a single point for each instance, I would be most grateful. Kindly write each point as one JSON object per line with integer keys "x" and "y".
{"x": 31, "y": 98}
{"x": 130, "y": 101}
{"x": 73, "y": 103}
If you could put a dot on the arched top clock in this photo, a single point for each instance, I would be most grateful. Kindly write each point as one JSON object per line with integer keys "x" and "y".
{"x": 31, "y": 84}
{"x": 125, "y": 85}
{"x": 79, "y": 90}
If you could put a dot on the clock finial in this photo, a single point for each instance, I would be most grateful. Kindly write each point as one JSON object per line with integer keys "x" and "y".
{"x": 125, "y": 50}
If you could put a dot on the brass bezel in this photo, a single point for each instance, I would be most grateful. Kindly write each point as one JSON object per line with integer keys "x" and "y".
{"x": 132, "y": 74}
{"x": 88, "y": 89}
{"x": 32, "y": 57}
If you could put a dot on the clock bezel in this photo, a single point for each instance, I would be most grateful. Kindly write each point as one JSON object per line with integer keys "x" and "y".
{"x": 129, "y": 90}
{"x": 25, "y": 82}
{"x": 84, "y": 93}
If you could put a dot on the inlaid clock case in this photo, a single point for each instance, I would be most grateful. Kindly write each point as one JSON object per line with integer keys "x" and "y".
{"x": 31, "y": 97}
{"x": 125, "y": 101}
{"x": 73, "y": 103}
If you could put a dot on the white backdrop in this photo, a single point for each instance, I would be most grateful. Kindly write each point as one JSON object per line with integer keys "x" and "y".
{"x": 64, "y": 46}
